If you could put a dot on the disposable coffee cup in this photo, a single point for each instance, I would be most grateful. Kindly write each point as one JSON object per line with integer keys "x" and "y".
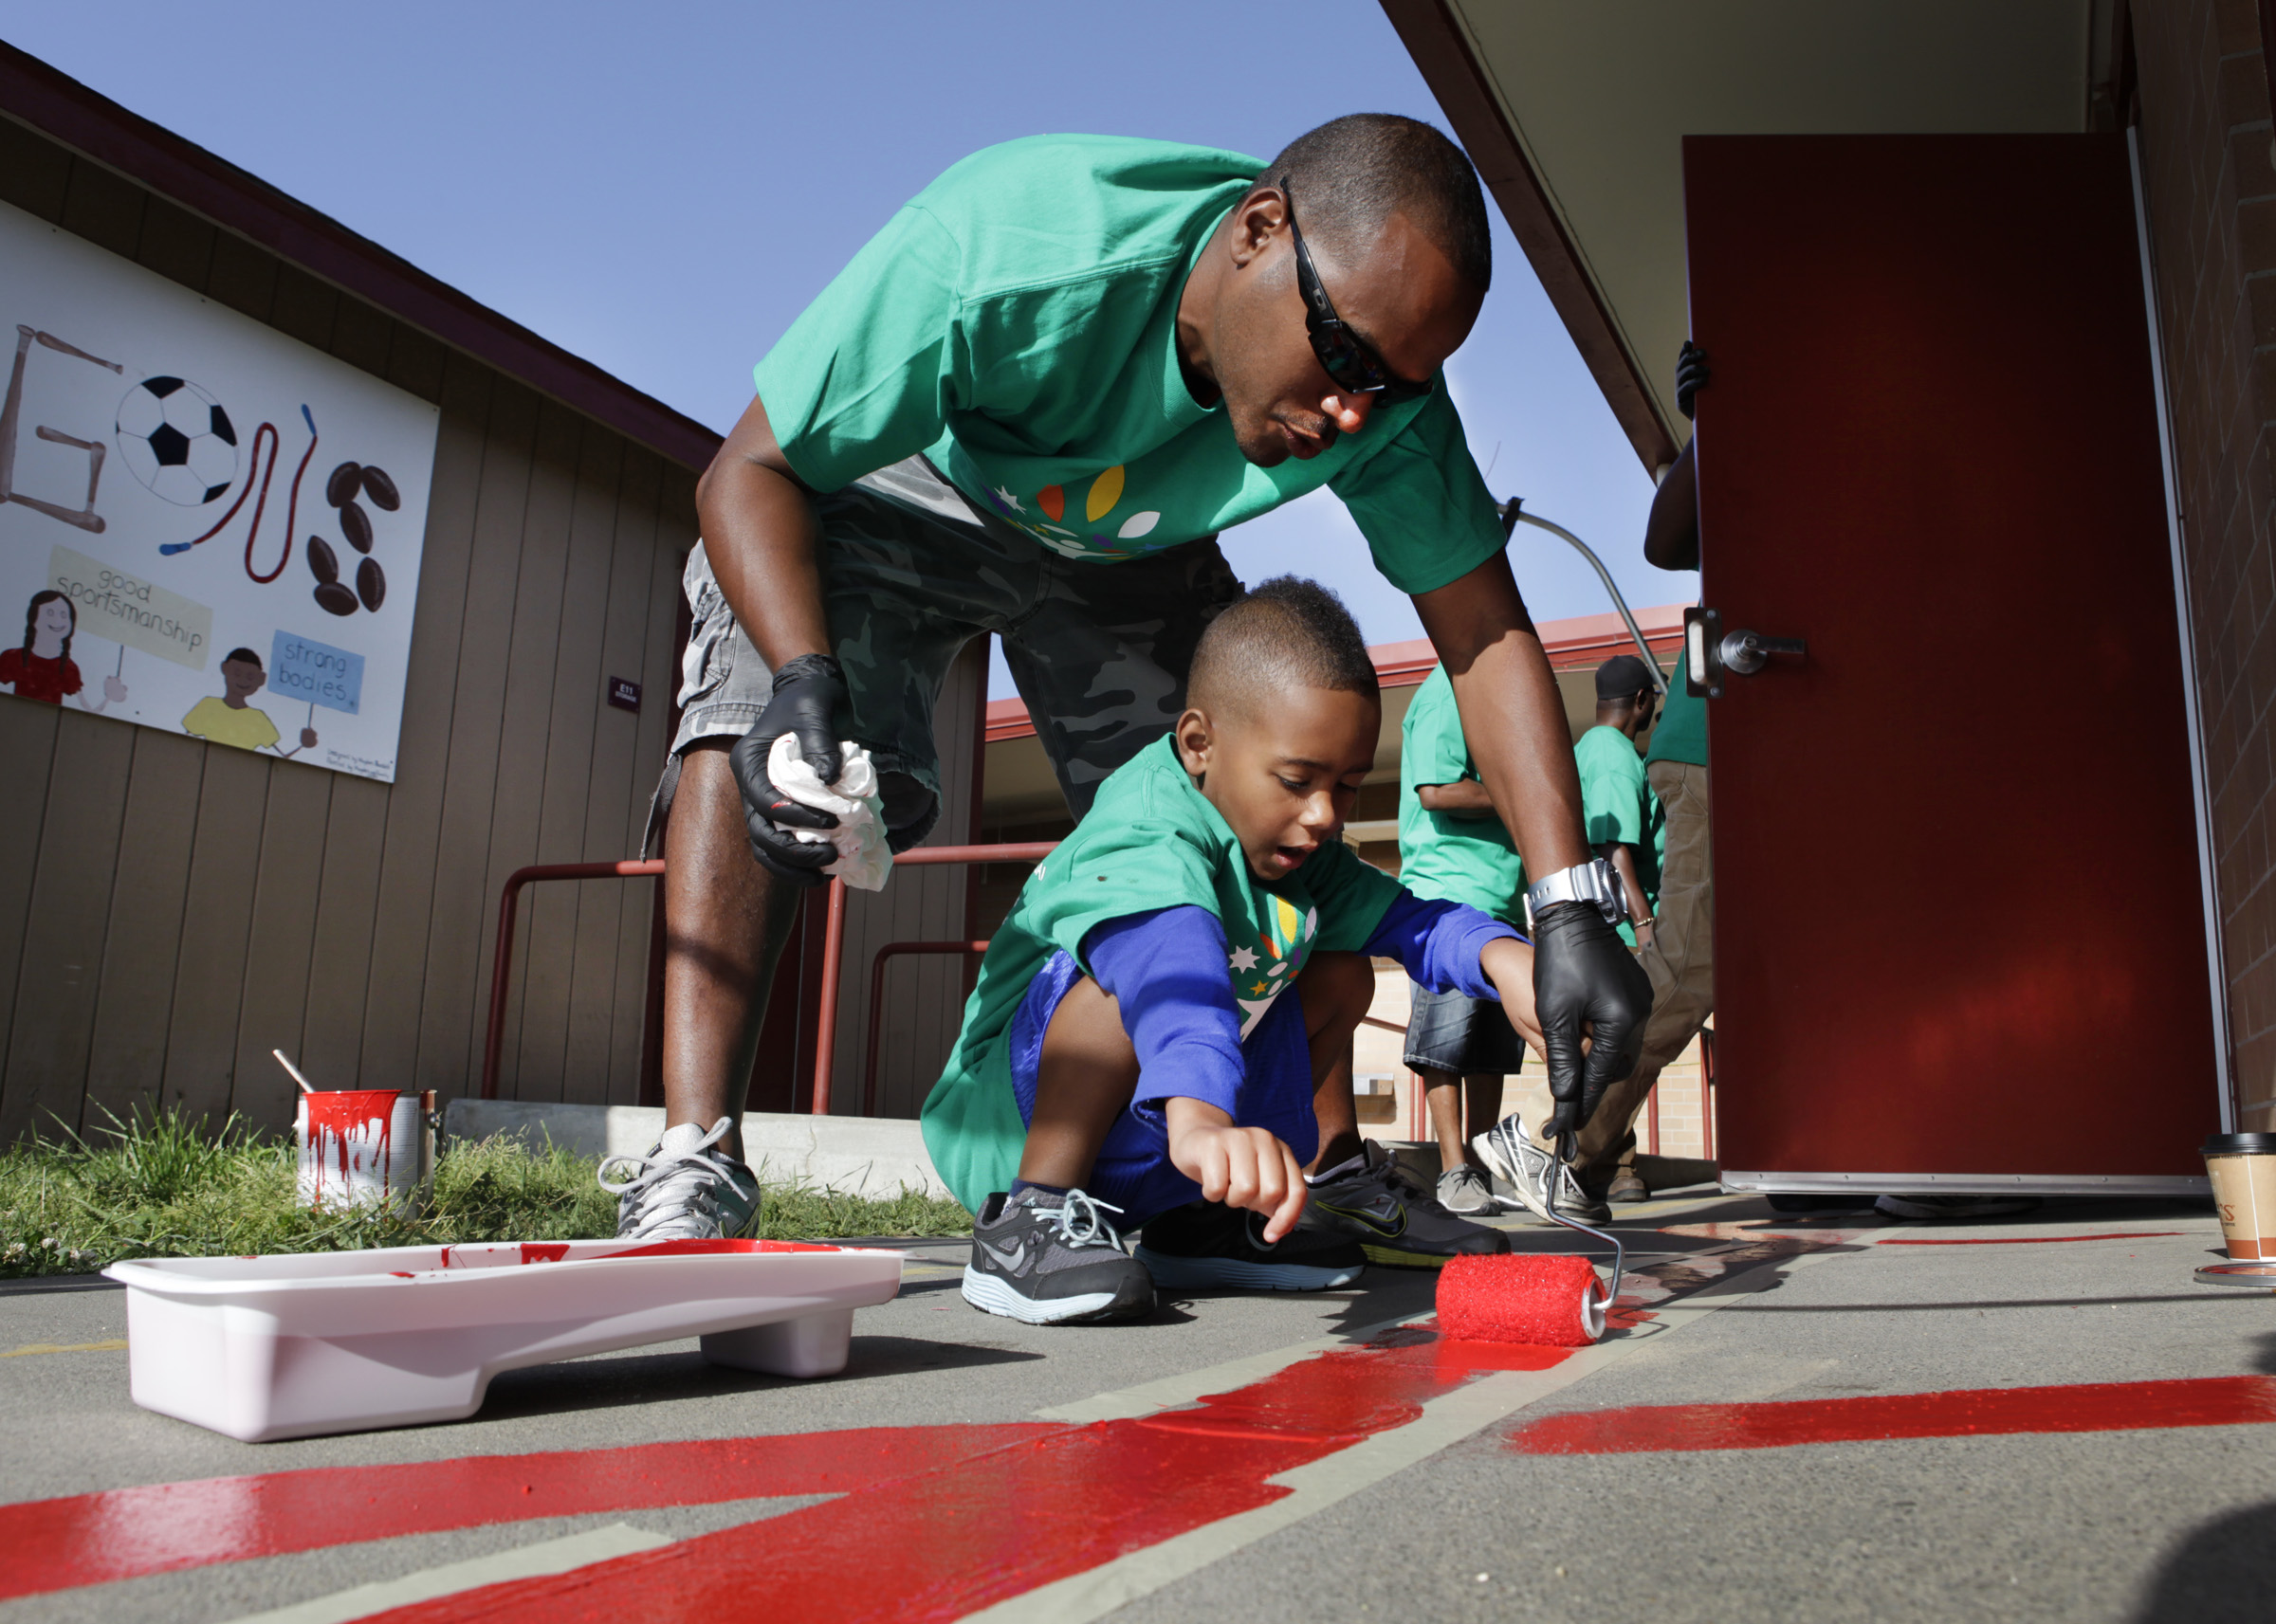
{"x": 364, "y": 1147}
{"x": 2243, "y": 1167}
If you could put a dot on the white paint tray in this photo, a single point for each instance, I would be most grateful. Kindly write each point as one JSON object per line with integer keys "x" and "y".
{"x": 296, "y": 1346}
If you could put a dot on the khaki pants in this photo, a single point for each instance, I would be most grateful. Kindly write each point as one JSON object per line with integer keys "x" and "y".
{"x": 1680, "y": 962}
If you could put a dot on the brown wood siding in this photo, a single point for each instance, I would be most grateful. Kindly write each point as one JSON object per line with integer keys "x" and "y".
{"x": 171, "y": 910}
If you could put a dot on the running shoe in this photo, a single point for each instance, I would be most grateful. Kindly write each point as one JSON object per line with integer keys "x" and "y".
{"x": 1627, "y": 1188}
{"x": 1054, "y": 1260}
{"x": 1955, "y": 1206}
{"x": 1464, "y": 1192}
{"x": 1207, "y": 1244}
{"x": 1374, "y": 1201}
{"x": 1509, "y": 1151}
{"x": 682, "y": 1189}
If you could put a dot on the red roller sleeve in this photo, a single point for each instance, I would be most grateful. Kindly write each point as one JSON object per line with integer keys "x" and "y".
{"x": 1544, "y": 1302}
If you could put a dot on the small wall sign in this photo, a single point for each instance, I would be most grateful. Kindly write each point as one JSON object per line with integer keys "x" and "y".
{"x": 624, "y": 695}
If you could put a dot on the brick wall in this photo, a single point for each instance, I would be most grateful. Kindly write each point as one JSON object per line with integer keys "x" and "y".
{"x": 2212, "y": 191}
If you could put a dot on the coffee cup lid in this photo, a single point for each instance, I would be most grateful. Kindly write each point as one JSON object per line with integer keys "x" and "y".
{"x": 2234, "y": 1144}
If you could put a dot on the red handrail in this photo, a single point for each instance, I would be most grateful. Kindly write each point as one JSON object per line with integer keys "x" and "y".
{"x": 825, "y": 1037}
{"x": 894, "y": 950}
{"x": 502, "y": 965}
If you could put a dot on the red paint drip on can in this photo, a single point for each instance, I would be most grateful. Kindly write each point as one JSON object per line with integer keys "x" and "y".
{"x": 356, "y": 1128}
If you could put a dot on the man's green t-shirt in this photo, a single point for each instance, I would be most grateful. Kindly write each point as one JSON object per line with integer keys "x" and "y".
{"x": 1151, "y": 841}
{"x": 1017, "y": 323}
{"x": 1682, "y": 732}
{"x": 1617, "y": 805}
{"x": 1442, "y": 855}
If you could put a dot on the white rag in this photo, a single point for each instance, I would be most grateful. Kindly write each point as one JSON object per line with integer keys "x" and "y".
{"x": 863, "y": 857}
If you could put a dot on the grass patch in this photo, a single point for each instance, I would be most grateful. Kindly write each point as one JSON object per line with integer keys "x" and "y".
{"x": 160, "y": 1185}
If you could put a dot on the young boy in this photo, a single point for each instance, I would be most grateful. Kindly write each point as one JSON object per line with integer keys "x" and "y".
{"x": 1133, "y": 1045}
{"x": 1454, "y": 845}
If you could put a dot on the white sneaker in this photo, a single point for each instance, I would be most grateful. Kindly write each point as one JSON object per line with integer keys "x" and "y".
{"x": 1528, "y": 1167}
{"x": 1463, "y": 1190}
{"x": 683, "y": 1189}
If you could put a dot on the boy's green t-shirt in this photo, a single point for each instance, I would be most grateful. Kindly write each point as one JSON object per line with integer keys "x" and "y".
{"x": 1470, "y": 860}
{"x": 1017, "y": 323}
{"x": 1150, "y": 841}
{"x": 1680, "y": 734}
{"x": 1617, "y": 805}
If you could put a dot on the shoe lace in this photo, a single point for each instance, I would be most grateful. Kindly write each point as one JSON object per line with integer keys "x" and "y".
{"x": 1079, "y": 1223}
{"x": 642, "y": 1177}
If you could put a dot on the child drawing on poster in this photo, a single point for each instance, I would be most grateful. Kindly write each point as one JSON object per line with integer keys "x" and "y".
{"x": 226, "y": 719}
{"x": 43, "y": 668}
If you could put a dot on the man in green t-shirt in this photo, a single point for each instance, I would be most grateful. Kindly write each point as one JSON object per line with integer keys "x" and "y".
{"x": 1452, "y": 844}
{"x": 1027, "y": 407}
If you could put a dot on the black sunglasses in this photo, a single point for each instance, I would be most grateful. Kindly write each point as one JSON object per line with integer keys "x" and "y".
{"x": 1344, "y": 355}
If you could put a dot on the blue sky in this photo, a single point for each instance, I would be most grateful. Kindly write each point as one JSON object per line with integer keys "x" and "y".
{"x": 661, "y": 188}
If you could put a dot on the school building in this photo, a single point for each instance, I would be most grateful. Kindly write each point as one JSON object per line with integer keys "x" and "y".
{"x": 1986, "y": 292}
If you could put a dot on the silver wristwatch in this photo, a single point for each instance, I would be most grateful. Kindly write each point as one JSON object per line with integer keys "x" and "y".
{"x": 1596, "y": 883}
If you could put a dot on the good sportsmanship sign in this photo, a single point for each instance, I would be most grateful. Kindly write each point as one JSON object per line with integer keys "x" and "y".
{"x": 205, "y": 525}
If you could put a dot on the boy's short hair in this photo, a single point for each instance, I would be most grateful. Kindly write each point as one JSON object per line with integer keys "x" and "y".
{"x": 1287, "y": 633}
{"x": 244, "y": 654}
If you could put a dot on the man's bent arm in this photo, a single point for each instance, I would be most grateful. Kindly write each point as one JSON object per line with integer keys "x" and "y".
{"x": 1512, "y": 713}
{"x": 759, "y": 533}
{"x": 1465, "y": 798}
{"x": 1671, "y": 535}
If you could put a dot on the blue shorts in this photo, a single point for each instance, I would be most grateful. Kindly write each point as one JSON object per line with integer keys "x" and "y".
{"x": 1133, "y": 1171}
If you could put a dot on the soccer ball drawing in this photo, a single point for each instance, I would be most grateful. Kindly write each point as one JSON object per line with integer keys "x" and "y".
{"x": 177, "y": 440}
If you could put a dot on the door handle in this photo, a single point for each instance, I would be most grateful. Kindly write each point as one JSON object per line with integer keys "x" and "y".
{"x": 1709, "y": 651}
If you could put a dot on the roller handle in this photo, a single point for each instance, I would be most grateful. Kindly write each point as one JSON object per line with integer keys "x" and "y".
{"x": 1563, "y": 1148}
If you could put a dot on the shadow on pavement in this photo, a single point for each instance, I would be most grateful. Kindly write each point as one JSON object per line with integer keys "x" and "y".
{"x": 652, "y": 1377}
{"x": 2227, "y": 1569}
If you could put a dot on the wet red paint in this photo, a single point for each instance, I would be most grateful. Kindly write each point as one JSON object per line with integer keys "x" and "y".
{"x": 2032, "y": 1240}
{"x": 944, "y": 1543}
{"x": 337, "y": 1117}
{"x": 2095, "y": 1407}
{"x": 92, "y": 1539}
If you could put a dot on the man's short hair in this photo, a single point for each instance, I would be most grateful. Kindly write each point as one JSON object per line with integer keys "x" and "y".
{"x": 246, "y": 654}
{"x": 1623, "y": 676}
{"x": 1289, "y": 633}
{"x": 1355, "y": 172}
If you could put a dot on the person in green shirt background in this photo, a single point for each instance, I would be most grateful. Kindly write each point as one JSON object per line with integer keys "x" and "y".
{"x": 1452, "y": 846}
{"x": 1617, "y": 806}
{"x": 1027, "y": 408}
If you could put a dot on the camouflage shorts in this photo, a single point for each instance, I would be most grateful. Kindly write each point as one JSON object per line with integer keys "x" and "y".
{"x": 911, "y": 573}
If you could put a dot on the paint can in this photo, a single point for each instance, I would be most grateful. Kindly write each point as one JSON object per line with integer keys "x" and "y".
{"x": 365, "y": 1147}
{"x": 2243, "y": 1168}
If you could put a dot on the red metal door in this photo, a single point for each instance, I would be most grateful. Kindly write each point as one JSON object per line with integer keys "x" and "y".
{"x": 1960, "y": 934}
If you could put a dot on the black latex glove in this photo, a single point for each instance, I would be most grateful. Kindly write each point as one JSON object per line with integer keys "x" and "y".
{"x": 809, "y": 692}
{"x": 1692, "y": 374}
{"x": 1584, "y": 973}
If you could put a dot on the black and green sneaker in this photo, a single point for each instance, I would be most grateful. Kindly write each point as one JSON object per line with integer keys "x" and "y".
{"x": 1393, "y": 1218}
{"x": 1208, "y": 1245}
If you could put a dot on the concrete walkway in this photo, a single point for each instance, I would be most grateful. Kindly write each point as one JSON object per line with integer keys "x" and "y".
{"x": 2039, "y": 1418}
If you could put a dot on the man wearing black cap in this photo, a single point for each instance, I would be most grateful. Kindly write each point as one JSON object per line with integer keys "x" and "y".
{"x": 1617, "y": 807}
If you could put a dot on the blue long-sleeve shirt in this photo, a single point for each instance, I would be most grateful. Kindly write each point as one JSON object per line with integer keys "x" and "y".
{"x": 1166, "y": 969}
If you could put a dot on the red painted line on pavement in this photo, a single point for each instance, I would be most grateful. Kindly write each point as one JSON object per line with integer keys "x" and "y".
{"x": 2034, "y": 1240}
{"x": 125, "y": 1533}
{"x": 949, "y": 1541}
{"x": 2093, "y": 1407}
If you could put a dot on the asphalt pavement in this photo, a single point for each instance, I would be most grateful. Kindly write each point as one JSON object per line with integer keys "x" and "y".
{"x": 1827, "y": 1418}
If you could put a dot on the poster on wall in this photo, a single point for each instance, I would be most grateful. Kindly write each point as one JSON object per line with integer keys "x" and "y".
{"x": 205, "y": 526}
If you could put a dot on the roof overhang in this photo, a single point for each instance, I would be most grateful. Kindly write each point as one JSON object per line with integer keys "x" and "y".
{"x": 1575, "y": 116}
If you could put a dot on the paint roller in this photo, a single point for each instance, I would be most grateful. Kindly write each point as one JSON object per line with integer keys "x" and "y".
{"x": 1544, "y": 1300}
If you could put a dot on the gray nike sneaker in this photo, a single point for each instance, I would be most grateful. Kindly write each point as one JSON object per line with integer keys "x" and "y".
{"x": 1464, "y": 1191}
{"x": 682, "y": 1189}
{"x": 1395, "y": 1220}
{"x": 1053, "y": 1260}
{"x": 1509, "y": 1151}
